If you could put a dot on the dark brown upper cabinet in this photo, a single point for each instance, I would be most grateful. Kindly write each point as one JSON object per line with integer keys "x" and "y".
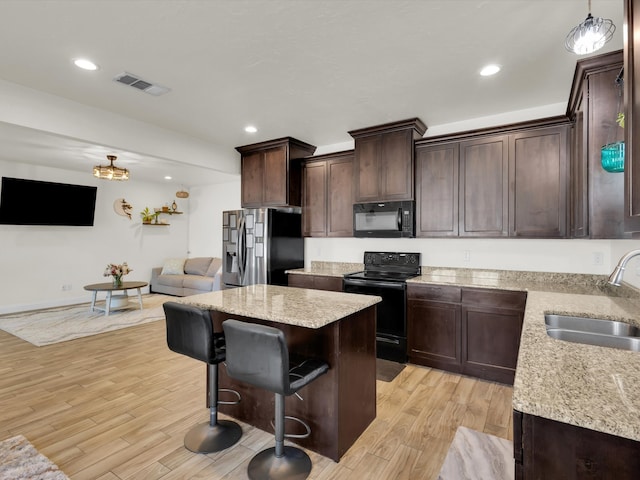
{"x": 272, "y": 172}
{"x": 383, "y": 163}
{"x": 538, "y": 178}
{"x": 437, "y": 168}
{"x": 597, "y": 196}
{"x": 484, "y": 193}
{"x": 327, "y": 195}
{"x": 632, "y": 118}
{"x": 497, "y": 182}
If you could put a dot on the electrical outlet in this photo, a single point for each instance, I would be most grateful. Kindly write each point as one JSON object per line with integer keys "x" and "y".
{"x": 598, "y": 258}
{"x": 66, "y": 287}
{"x": 467, "y": 256}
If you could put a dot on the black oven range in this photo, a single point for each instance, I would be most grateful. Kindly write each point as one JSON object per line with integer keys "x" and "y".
{"x": 385, "y": 274}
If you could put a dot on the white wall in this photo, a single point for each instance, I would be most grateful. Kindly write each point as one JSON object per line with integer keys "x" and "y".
{"x": 38, "y": 260}
{"x": 572, "y": 256}
{"x": 205, "y": 220}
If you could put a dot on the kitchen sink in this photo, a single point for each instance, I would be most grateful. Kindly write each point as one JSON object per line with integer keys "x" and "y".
{"x": 591, "y": 325}
{"x": 599, "y": 339}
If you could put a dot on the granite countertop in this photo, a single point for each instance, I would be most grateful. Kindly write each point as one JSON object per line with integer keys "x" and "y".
{"x": 329, "y": 269}
{"x": 292, "y": 306}
{"x": 588, "y": 386}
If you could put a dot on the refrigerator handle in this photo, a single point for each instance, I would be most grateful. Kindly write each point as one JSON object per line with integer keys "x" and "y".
{"x": 241, "y": 252}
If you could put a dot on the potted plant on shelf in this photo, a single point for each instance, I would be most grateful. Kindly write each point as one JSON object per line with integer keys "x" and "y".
{"x": 148, "y": 216}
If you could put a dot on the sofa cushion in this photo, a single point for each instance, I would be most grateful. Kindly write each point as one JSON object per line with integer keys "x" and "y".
{"x": 197, "y": 266}
{"x": 171, "y": 280}
{"x": 173, "y": 266}
{"x": 197, "y": 282}
{"x": 214, "y": 267}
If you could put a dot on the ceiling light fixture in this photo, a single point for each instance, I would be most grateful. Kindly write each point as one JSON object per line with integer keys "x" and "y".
{"x": 590, "y": 35}
{"x": 489, "y": 70}
{"x": 85, "y": 64}
{"x": 167, "y": 177}
{"x": 182, "y": 193}
{"x": 250, "y": 129}
{"x": 110, "y": 172}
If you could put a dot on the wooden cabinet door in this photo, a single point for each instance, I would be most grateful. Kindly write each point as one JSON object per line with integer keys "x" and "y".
{"x": 483, "y": 194}
{"x": 314, "y": 200}
{"x": 367, "y": 168}
{"x": 549, "y": 449}
{"x": 491, "y": 329}
{"x": 433, "y": 334}
{"x": 276, "y": 177}
{"x": 606, "y": 189}
{"x": 339, "y": 197}
{"x": 578, "y": 210}
{"x": 632, "y": 118}
{"x": 538, "y": 171}
{"x": 252, "y": 170}
{"x": 396, "y": 166}
{"x": 437, "y": 190}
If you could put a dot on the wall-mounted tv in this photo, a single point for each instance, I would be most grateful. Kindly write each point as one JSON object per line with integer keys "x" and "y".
{"x": 33, "y": 202}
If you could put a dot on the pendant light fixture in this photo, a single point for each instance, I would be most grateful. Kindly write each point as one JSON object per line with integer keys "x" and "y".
{"x": 182, "y": 193}
{"x": 590, "y": 35}
{"x": 110, "y": 172}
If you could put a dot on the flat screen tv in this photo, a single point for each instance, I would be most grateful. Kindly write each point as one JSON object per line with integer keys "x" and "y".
{"x": 33, "y": 202}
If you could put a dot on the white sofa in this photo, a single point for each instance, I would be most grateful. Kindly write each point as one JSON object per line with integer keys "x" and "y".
{"x": 189, "y": 276}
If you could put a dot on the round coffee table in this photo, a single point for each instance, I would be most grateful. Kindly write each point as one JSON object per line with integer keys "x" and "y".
{"x": 114, "y": 302}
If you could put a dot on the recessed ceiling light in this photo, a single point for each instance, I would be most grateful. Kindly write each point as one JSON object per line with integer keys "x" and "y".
{"x": 85, "y": 64}
{"x": 167, "y": 177}
{"x": 250, "y": 129}
{"x": 489, "y": 70}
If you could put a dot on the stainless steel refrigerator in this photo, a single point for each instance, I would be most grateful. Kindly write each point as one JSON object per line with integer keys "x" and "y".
{"x": 259, "y": 244}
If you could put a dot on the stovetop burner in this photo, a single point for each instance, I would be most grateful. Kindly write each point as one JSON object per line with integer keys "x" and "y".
{"x": 388, "y": 266}
{"x": 385, "y": 276}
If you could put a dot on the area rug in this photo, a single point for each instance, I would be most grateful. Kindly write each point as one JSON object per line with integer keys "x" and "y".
{"x": 61, "y": 324}
{"x": 19, "y": 460}
{"x": 387, "y": 370}
{"x": 478, "y": 456}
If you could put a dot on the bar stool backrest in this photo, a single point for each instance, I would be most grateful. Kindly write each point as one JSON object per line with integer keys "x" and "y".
{"x": 257, "y": 355}
{"x": 190, "y": 332}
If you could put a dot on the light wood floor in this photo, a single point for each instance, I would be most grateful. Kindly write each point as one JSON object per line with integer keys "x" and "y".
{"x": 117, "y": 406}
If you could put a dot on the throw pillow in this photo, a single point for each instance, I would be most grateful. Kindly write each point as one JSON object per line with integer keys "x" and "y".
{"x": 173, "y": 266}
{"x": 214, "y": 268}
{"x": 197, "y": 266}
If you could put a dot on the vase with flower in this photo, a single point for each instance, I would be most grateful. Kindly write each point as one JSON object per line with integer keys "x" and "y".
{"x": 117, "y": 271}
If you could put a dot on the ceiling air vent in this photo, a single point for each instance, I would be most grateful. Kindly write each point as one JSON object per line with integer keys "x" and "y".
{"x": 136, "y": 82}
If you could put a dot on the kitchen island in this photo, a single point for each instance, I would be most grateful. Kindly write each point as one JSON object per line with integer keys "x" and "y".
{"x": 337, "y": 327}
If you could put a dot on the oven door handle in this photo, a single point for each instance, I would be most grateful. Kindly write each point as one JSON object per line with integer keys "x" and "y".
{"x": 374, "y": 283}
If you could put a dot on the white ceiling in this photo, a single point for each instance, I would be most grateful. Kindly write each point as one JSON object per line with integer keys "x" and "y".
{"x": 311, "y": 69}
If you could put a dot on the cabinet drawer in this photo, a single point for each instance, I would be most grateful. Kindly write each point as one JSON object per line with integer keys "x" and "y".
{"x": 494, "y": 298}
{"x": 439, "y": 293}
{"x": 328, "y": 283}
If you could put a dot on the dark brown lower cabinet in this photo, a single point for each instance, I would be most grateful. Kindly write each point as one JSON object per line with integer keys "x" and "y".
{"x": 547, "y": 449}
{"x": 471, "y": 331}
{"x": 316, "y": 282}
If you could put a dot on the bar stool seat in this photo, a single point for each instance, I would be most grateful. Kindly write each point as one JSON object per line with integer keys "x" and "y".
{"x": 258, "y": 355}
{"x": 190, "y": 332}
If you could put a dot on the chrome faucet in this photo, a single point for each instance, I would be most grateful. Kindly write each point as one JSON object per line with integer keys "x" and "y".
{"x": 616, "y": 276}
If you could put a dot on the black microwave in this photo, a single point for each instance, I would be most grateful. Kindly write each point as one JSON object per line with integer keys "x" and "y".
{"x": 384, "y": 219}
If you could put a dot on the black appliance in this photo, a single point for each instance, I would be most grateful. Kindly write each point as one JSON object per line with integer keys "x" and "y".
{"x": 384, "y": 219}
{"x": 385, "y": 274}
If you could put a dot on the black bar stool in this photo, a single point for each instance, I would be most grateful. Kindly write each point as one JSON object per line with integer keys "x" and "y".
{"x": 258, "y": 355}
{"x": 190, "y": 332}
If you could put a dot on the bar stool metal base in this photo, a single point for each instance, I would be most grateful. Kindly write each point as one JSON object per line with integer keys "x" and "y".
{"x": 295, "y": 464}
{"x": 207, "y": 438}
